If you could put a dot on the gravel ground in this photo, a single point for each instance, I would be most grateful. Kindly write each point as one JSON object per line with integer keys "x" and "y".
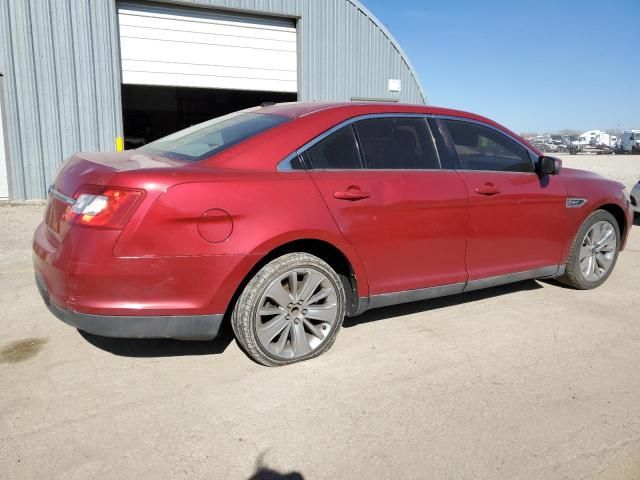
{"x": 525, "y": 381}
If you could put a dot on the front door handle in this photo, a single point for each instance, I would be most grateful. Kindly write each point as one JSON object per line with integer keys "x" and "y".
{"x": 487, "y": 189}
{"x": 351, "y": 194}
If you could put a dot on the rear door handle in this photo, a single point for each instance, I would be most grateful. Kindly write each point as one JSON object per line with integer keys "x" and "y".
{"x": 487, "y": 189}
{"x": 351, "y": 194}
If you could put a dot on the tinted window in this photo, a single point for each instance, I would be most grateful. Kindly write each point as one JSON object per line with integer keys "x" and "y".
{"x": 292, "y": 163}
{"x": 338, "y": 150}
{"x": 205, "y": 139}
{"x": 446, "y": 152}
{"x": 396, "y": 143}
{"x": 296, "y": 163}
{"x": 483, "y": 148}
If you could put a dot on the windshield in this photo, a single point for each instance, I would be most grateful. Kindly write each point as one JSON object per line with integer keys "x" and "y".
{"x": 207, "y": 138}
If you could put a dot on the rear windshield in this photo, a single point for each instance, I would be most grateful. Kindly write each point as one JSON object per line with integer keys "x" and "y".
{"x": 205, "y": 139}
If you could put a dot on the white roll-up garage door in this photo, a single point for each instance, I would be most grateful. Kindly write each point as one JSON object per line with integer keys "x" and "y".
{"x": 201, "y": 48}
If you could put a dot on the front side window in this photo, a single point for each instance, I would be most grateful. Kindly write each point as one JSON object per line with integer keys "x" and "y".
{"x": 483, "y": 148}
{"x": 337, "y": 151}
{"x": 396, "y": 143}
{"x": 206, "y": 139}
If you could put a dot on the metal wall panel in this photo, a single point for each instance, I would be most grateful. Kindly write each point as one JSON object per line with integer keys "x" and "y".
{"x": 62, "y": 92}
{"x": 61, "y": 62}
{"x": 4, "y": 179}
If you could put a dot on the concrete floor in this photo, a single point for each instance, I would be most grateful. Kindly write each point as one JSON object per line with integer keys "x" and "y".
{"x": 525, "y": 381}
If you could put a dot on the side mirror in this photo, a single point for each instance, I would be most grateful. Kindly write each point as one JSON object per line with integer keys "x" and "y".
{"x": 549, "y": 165}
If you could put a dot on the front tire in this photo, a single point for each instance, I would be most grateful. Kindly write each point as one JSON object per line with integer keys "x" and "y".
{"x": 594, "y": 252}
{"x": 290, "y": 311}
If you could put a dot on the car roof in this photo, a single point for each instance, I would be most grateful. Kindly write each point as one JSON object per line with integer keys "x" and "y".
{"x": 310, "y": 119}
{"x": 303, "y": 109}
{"x": 347, "y": 110}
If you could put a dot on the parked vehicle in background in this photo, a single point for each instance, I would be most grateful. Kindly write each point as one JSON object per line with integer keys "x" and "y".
{"x": 593, "y": 141}
{"x": 557, "y": 141}
{"x": 635, "y": 199}
{"x": 630, "y": 141}
{"x": 283, "y": 220}
{"x": 595, "y": 138}
{"x": 548, "y": 143}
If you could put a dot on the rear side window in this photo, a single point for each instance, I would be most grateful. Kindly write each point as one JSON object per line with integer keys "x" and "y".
{"x": 396, "y": 143}
{"x": 211, "y": 137}
{"x": 483, "y": 148}
{"x": 337, "y": 151}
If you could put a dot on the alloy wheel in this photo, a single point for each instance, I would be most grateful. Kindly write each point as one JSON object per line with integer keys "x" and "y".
{"x": 296, "y": 313}
{"x": 598, "y": 251}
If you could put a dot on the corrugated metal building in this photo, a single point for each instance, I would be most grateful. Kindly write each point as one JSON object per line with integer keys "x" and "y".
{"x": 80, "y": 75}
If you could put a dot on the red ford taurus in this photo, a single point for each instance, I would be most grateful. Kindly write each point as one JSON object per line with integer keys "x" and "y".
{"x": 287, "y": 218}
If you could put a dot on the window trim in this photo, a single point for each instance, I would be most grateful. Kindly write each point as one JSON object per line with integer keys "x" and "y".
{"x": 285, "y": 164}
{"x": 531, "y": 153}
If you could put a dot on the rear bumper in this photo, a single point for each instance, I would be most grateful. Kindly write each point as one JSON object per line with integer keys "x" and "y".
{"x": 187, "y": 327}
{"x": 82, "y": 275}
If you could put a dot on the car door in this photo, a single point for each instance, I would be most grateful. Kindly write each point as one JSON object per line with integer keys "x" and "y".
{"x": 404, "y": 215}
{"x": 516, "y": 217}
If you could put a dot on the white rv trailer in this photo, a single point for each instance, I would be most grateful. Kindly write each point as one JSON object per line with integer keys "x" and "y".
{"x": 630, "y": 141}
{"x": 593, "y": 138}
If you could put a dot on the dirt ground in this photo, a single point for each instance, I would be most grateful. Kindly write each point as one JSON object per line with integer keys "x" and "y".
{"x": 525, "y": 381}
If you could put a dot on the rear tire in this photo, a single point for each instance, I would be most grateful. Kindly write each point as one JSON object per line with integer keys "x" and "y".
{"x": 594, "y": 252}
{"x": 290, "y": 311}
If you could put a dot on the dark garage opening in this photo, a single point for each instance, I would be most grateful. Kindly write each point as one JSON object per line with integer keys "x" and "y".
{"x": 151, "y": 112}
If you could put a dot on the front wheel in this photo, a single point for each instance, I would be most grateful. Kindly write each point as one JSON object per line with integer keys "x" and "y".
{"x": 290, "y": 311}
{"x": 594, "y": 252}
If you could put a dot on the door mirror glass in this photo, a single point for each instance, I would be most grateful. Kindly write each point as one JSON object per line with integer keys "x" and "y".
{"x": 549, "y": 165}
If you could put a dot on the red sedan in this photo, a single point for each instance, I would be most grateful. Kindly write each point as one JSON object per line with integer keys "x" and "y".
{"x": 285, "y": 219}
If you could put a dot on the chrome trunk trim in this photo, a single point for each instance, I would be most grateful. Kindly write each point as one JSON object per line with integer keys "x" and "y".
{"x": 62, "y": 196}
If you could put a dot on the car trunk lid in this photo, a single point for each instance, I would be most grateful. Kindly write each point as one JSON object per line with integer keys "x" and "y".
{"x": 90, "y": 169}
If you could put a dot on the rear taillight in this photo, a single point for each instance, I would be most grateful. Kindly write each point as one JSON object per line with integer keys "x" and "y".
{"x": 104, "y": 207}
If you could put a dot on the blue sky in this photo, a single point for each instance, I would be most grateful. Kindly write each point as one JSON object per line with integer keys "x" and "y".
{"x": 532, "y": 65}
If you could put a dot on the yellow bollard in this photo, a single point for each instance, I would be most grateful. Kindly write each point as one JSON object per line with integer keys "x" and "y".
{"x": 119, "y": 144}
